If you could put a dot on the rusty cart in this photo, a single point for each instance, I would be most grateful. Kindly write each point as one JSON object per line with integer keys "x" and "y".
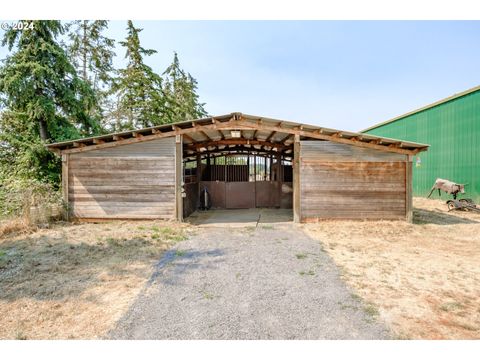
{"x": 463, "y": 205}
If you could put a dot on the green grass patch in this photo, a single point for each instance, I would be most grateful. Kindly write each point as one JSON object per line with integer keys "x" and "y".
{"x": 309, "y": 272}
{"x": 371, "y": 310}
{"x": 166, "y": 234}
{"x": 3, "y": 259}
{"x": 300, "y": 256}
{"x": 171, "y": 234}
{"x": 451, "y": 306}
{"x": 113, "y": 241}
{"x": 268, "y": 227}
{"x": 207, "y": 295}
{"x": 180, "y": 253}
{"x": 20, "y": 336}
{"x": 355, "y": 297}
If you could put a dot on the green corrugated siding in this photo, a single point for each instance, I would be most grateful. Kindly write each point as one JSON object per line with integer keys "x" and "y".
{"x": 453, "y": 131}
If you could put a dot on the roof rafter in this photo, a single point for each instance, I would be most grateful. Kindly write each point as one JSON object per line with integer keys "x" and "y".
{"x": 241, "y": 141}
{"x": 240, "y": 122}
{"x": 237, "y": 149}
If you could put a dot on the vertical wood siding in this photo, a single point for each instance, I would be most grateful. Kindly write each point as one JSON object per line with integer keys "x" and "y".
{"x": 340, "y": 181}
{"x": 135, "y": 181}
{"x": 190, "y": 201}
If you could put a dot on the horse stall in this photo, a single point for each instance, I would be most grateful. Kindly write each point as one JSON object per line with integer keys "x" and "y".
{"x": 236, "y": 181}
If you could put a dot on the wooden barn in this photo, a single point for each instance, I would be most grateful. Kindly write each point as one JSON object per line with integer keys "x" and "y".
{"x": 243, "y": 161}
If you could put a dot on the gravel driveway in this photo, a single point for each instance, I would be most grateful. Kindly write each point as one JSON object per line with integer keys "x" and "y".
{"x": 264, "y": 282}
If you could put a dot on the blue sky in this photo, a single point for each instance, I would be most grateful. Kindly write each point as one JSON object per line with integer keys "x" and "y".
{"x": 341, "y": 74}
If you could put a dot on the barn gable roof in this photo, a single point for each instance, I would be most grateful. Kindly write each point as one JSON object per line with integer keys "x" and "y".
{"x": 200, "y": 134}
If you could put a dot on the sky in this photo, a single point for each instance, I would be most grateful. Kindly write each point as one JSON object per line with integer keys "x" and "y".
{"x": 340, "y": 74}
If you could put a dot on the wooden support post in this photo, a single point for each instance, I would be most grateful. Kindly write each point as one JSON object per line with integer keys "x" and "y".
{"x": 297, "y": 216}
{"x": 199, "y": 178}
{"x": 178, "y": 178}
{"x": 279, "y": 178}
{"x": 408, "y": 188}
{"x": 65, "y": 160}
{"x": 270, "y": 172}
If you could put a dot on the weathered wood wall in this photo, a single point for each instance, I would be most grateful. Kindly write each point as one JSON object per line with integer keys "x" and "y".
{"x": 135, "y": 181}
{"x": 267, "y": 194}
{"x": 246, "y": 195}
{"x": 286, "y": 197}
{"x": 190, "y": 201}
{"x": 240, "y": 195}
{"x": 346, "y": 182}
{"x": 216, "y": 190}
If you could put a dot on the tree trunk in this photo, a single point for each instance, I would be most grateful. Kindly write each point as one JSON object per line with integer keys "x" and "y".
{"x": 43, "y": 130}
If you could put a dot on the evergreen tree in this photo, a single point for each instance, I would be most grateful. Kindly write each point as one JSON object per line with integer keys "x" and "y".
{"x": 181, "y": 91}
{"x": 42, "y": 100}
{"x": 91, "y": 53}
{"x": 141, "y": 101}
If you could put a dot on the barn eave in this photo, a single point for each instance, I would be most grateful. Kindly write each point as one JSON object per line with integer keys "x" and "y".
{"x": 216, "y": 131}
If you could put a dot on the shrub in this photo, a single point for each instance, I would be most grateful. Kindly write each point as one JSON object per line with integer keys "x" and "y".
{"x": 28, "y": 202}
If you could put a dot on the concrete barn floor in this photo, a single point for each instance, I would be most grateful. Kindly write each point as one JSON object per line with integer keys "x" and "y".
{"x": 240, "y": 218}
{"x": 252, "y": 280}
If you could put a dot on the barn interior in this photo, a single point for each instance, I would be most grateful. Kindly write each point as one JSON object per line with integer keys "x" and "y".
{"x": 239, "y": 169}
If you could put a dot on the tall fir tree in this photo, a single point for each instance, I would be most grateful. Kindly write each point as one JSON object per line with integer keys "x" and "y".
{"x": 42, "y": 101}
{"x": 92, "y": 53}
{"x": 181, "y": 91}
{"x": 140, "y": 98}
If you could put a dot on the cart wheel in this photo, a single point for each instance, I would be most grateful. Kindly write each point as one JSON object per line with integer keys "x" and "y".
{"x": 468, "y": 204}
{"x": 450, "y": 205}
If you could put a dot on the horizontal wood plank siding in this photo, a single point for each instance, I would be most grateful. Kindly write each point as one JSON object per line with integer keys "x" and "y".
{"x": 333, "y": 152}
{"x": 134, "y": 181}
{"x": 149, "y": 149}
{"x": 344, "y": 182}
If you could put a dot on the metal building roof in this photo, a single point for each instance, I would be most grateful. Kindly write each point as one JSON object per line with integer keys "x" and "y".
{"x": 426, "y": 107}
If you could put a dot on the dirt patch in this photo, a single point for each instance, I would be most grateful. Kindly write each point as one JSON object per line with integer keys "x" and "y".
{"x": 75, "y": 281}
{"x": 423, "y": 277}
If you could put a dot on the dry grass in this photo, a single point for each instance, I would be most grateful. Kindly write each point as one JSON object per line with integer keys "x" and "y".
{"x": 15, "y": 225}
{"x": 75, "y": 281}
{"x": 424, "y": 278}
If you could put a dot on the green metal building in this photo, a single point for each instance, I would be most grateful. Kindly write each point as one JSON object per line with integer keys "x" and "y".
{"x": 452, "y": 129}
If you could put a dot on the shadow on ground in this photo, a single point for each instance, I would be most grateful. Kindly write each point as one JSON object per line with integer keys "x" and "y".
{"x": 422, "y": 216}
{"x": 185, "y": 261}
